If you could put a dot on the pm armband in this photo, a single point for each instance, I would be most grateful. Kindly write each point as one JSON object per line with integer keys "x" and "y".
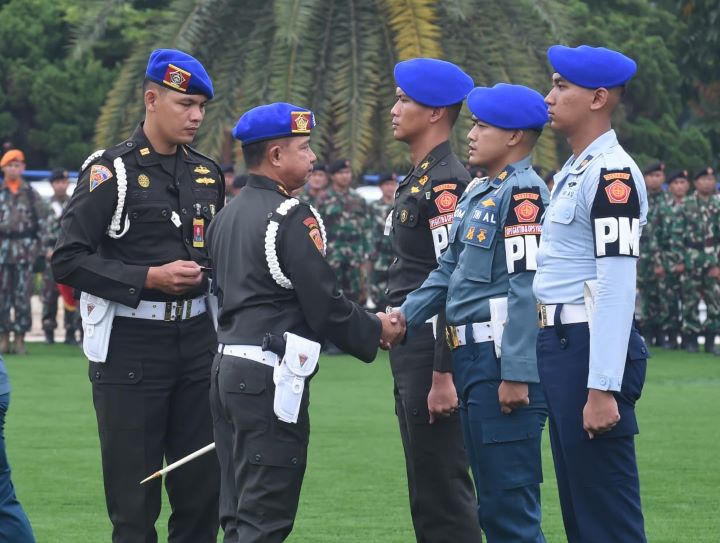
{"x": 522, "y": 229}
{"x": 615, "y": 215}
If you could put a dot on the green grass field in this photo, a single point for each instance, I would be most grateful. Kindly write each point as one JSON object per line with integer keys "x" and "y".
{"x": 355, "y": 484}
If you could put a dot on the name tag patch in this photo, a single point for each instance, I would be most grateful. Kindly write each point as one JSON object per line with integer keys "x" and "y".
{"x": 615, "y": 215}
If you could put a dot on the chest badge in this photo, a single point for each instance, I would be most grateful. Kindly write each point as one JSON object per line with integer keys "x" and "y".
{"x": 143, "y": 180}
{"x": 404, "y": 215}
{"x": 205, "y": 180}
{"x": 202, "y": 170}
{"x": 198, "y": 228}
{"x": 446, "y": 202}
{"x": 414, "y": 190}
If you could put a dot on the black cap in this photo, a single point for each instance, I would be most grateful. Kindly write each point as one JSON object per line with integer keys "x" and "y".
{"x": 240, "y": 181}
{"x": 319, "y": 167}
{"x": 57, "y": 174}
{"x": 654, "y": 167}
{"x": 677, "y": 174}
{"x": 337, "y": 165}
{"x": 707, "y": 170}
{"x": 386, "y": 176}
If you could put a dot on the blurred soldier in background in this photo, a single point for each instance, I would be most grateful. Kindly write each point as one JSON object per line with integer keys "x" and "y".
{"x": 22, "y": 219}
{"x": 650, "y": 268}
{"x": 381, "y": 251}
{"x": 671, "y": 260}
{"x": 347, "y": 220}
{"x": 695, "y": 238}
{"x": 50, "y": 293}
{"x": 317, "y": 185}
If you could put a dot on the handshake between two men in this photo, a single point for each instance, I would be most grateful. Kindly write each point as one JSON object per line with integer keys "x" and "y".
{"x": 393, "y": 329}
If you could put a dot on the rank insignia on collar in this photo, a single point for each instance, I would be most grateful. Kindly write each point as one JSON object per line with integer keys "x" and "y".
{"x": 585, "y": 161}
{"x": 425, "y": 164}
{"x": 503, "y": 175}
{"x": 144, "y": 151}
{"x": 423, "y": 180}
{"x": 98, "y": 175}
{"x": 143, "y": 180}
{"x": 202, "y": 170}
{"x": 177, "y": 78}
{"x": 414, "y": 190}
{"x": 205, "y": 180}
{"x": 283, "y": 190}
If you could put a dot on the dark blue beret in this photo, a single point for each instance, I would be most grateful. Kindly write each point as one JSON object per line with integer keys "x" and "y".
{"x": 677, "y": 174}
{"x": 707, "y": 170}
{"x": 511, "y": 107}
{"x": 178, "y": 71}
{"x": 432, "y": 82}
{"x": 271, "y": 121}
{"x": 592, "y": 67}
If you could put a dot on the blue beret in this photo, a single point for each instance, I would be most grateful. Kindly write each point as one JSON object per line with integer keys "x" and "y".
{"x": 432, "y": 82}
{"x": 271, "y": 121}
{"x": 592, "y": 67}
{"x": 510, "y": 107}
{"x": 178, "y": 71}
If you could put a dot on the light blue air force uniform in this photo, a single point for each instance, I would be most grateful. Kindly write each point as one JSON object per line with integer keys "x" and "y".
{"x": 591, "y": 234}
{"x": 491, "y": 255}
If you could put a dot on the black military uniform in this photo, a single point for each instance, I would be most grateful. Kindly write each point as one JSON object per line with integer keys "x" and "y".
{"x": 442, "y": 500}
{"x": 151, "y": 394}
{"x": 262, "y": 459}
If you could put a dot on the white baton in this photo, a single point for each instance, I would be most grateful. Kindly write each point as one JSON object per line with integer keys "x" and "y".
{"x": 185, "y": 460}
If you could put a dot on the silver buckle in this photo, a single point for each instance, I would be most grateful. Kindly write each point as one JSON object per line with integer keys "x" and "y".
{"x": 542, "y": 316}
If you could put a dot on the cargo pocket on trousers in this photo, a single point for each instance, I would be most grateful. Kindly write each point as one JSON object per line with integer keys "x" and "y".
{"x": 270, "y": 452}
{"x": 116, "y": 394}
{"x": 511, "y": 452}
{"x": 244, "y": 390}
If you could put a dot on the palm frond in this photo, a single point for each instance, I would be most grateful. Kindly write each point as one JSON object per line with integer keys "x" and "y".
{"x": 93, "y": 26}
{"x": 414, "y": 25}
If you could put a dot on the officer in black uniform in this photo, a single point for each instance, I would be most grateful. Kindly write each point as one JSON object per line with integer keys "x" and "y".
{"x": 430, "y": 93}
{"x": 133, "y": 233}
{"x": 270, "y": 274}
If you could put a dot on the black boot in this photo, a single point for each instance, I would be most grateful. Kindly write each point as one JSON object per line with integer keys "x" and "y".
{"x": 672, "y": 342}
{"x": 710, "y": 344}
{"x": 70, "y": 337}
{"x": 691, "y": 343}
{"x": 49, "y": 337}
{"x": 660, "y": 340}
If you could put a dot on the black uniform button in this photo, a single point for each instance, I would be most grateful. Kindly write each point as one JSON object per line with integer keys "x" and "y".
{"x": 294, "y": 461}
{"x": 563, "y": 342}
{"x": 129, "y": 144}
{"x": 131, "y": 290}
{"x": 131, "y": 375}
{"x": 258, "y": 458}
{"x": 164, "y": 212}
{"x": 205, "y": 209}
{"x": 387, "y": 291}
{"x": 415, "y": 412}
{"x": 97, "y": 375}
{"x": 184, "y": 211}
{"x": 412, "y": 217}
{"x": 187, "y": 240}
{"x": 269, "y": 215}
{"x": 241, "y": 386}
{"x": 134, "y": 215}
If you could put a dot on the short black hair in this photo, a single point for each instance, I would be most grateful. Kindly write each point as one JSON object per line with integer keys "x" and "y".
{"x": 147, "y": 82}
{"x": 254, "y": 153}
{"x": 454, "y": 113}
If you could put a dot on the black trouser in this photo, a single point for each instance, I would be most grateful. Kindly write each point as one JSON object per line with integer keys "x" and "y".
{"x": 262, "y": 460}
{"x": 442, "y": 499}
{"x": 151, "y": 401}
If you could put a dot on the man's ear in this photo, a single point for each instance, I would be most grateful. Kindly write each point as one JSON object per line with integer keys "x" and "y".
{"x": 516, "y": 138}
{"x": 273, "y": 154}
{"x": 600, "y": 98}
{"x": 151, "y": 97}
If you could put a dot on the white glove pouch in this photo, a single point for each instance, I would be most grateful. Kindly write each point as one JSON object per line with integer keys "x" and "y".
{"x": 299, "y": 363}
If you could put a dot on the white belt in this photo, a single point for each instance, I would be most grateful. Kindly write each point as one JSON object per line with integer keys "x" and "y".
{"x": 481, "y": 332}
{"x": 178, "y": 310}
{"x": 251, "y": 352}
{"x": 457, "y": 335}
{"x": 569, "y": 314}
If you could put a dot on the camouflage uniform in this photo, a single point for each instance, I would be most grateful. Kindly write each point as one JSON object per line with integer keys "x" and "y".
{"x": 694, "y": 239}
{"x": 347, "y": 222}
{"x": 648, "y": 283}
{"x": 22, "y": 219}
{"x": 670, "y": 317}
{"x": 49, "y": 293}
{"x": 381, "y": 253}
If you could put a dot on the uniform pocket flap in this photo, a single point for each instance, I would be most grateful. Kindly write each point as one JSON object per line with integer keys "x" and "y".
{"x": 111, "y": 374}
{"x": 637, "y": 350}
{"x": 247, "y": 379}
{"x": 507, "y": 428}
{"x": 150, "y": 213}
{"x": 269, "y": 452}
{"x": 407, "y": 215}
{"x": 563, "y": 211}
